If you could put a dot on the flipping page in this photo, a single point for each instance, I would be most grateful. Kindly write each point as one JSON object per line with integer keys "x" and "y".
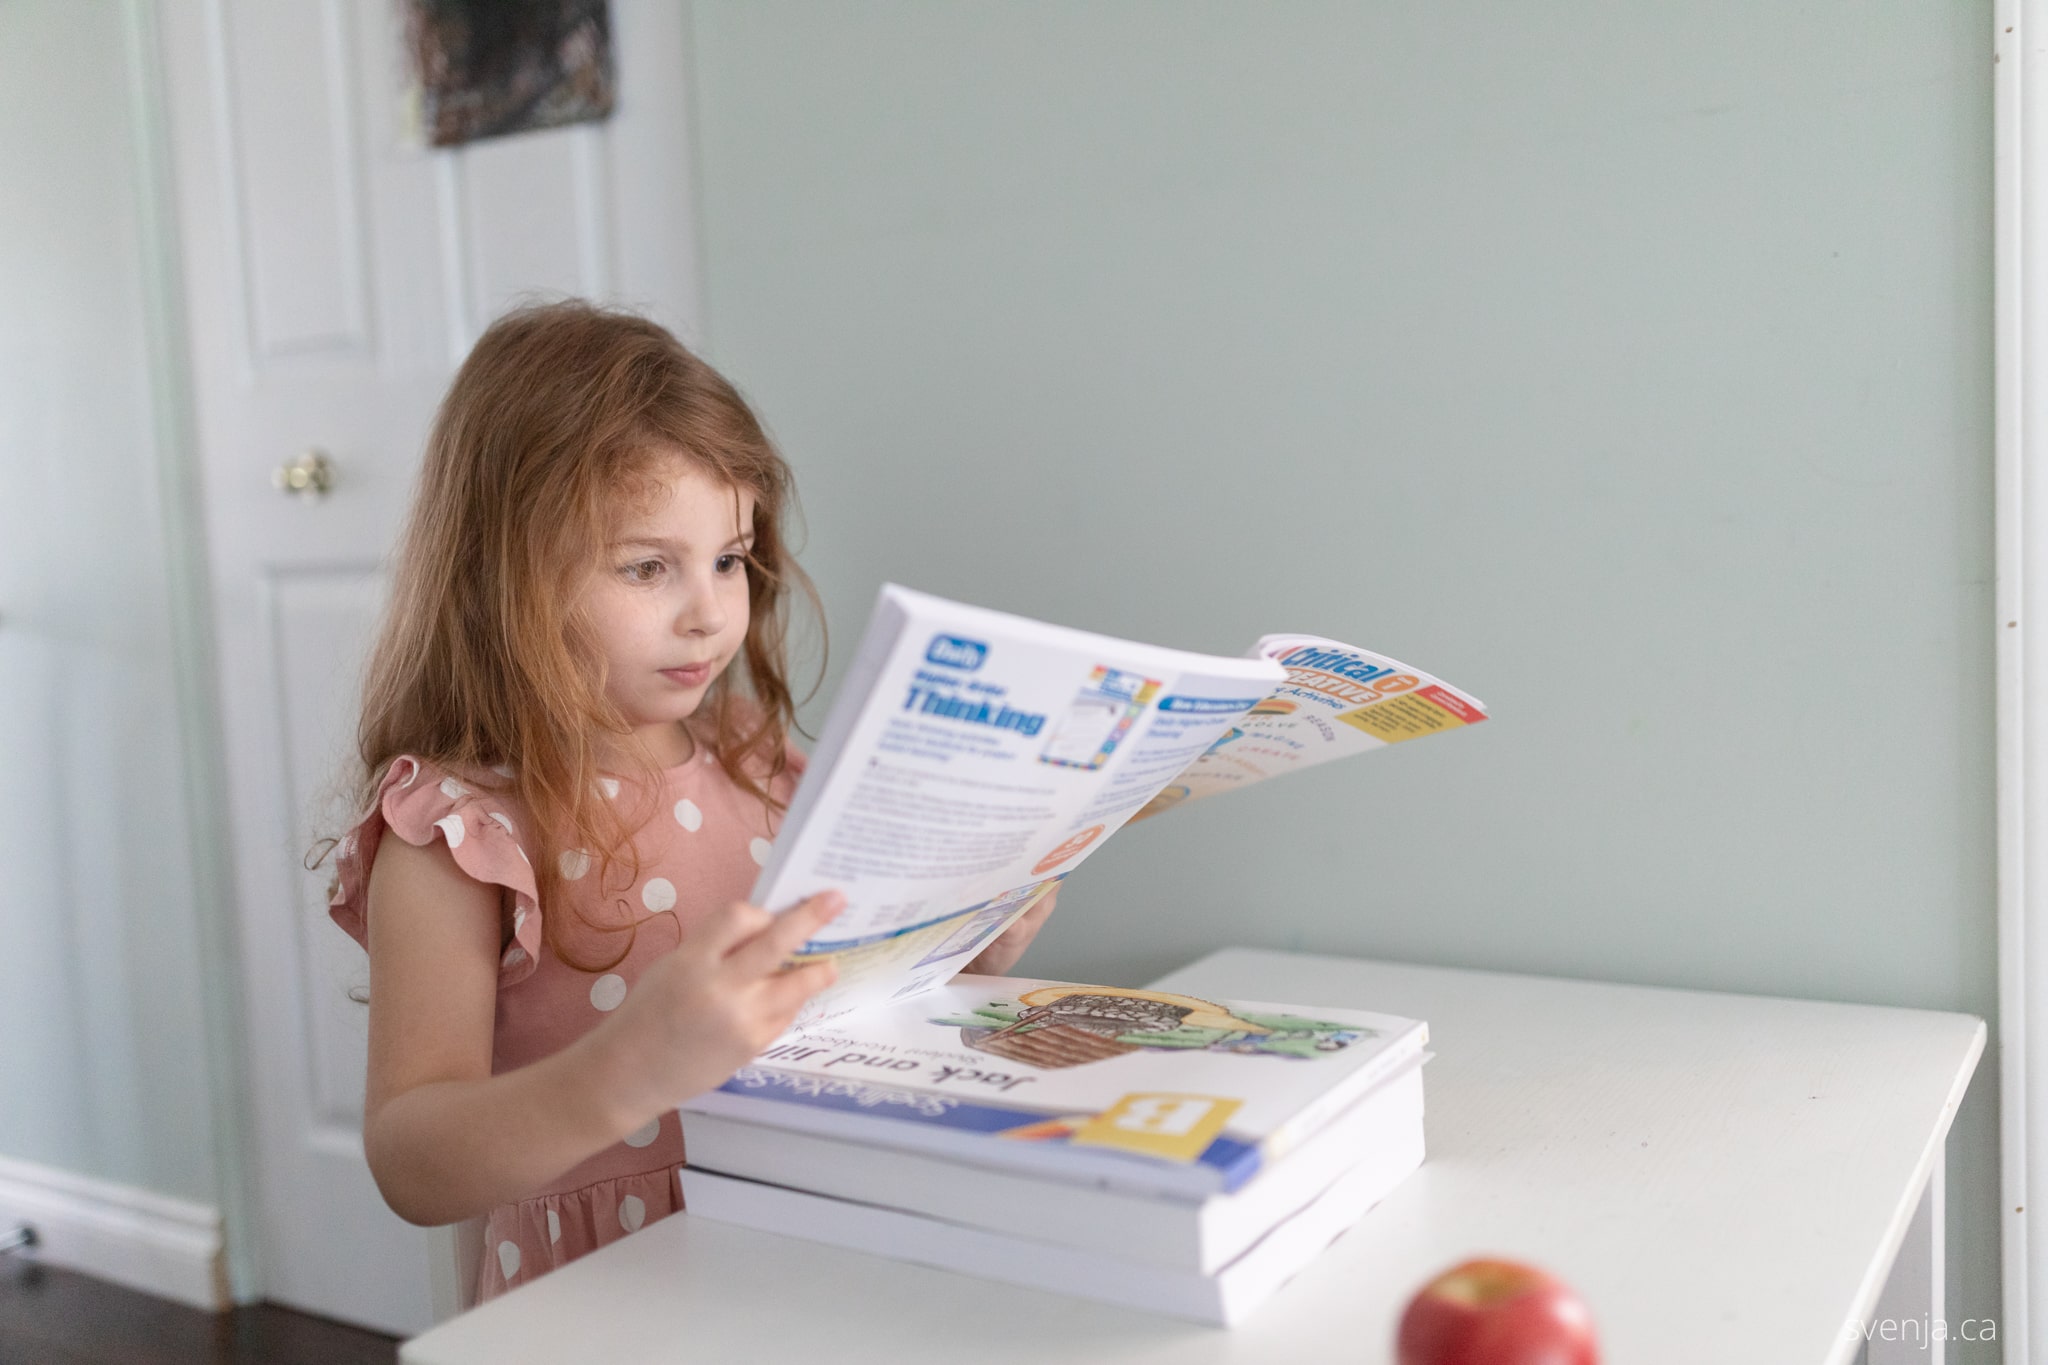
{"x": 972, "y": 759}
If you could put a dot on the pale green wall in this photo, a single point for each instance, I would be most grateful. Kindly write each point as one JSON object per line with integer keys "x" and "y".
{"x": 103, "y": 1067}
{"x": 1628, "y": 364}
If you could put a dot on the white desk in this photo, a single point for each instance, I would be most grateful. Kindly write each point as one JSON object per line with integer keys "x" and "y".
{"x": 1722, "y": 1177}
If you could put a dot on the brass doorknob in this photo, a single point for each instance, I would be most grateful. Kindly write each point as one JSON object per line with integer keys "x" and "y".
{"x": 310, "y": 476}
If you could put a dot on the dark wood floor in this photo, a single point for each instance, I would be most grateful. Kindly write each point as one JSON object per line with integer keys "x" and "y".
{"x": 57, "y": 1317}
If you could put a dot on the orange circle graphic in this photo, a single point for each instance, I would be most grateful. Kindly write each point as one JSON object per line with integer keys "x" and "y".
{"x": 1069, "y": 849}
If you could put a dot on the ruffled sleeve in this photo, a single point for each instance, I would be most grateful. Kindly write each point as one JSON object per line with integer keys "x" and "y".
{"x": 422, "y": 802}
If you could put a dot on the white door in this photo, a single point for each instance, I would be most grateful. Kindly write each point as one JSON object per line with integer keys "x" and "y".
{"x": 334, "y": 278}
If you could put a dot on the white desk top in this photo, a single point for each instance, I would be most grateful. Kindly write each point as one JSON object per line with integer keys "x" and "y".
{"x": 1717, "y": 1174}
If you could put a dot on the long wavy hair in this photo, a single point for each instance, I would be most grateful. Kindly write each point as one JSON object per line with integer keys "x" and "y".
{"x": 563, "y": 415}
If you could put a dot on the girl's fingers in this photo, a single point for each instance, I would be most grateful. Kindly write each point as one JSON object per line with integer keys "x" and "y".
{"x": 785, "y": 992}
{"x": 766, "y": 949}
{"x": 1025, "y": 928}
{"x": 727, "y": 928}
{"x": 1036, "y": 914}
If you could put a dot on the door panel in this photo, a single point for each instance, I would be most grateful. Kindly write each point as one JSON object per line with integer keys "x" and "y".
{"x": 560, "y": 244}
{"x": 293, "y": 186}
{"x": 321, "y": 621}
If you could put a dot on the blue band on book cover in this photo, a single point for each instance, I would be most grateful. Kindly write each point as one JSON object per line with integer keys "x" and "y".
{"x": 1235, "y": 1161}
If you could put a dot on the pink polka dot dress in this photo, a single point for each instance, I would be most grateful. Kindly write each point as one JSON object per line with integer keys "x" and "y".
{"x": 703, "y": 848}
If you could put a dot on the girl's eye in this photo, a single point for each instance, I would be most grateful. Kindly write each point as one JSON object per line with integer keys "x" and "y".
{"x": 731, "y": 563}
{"x": 646, "y": 571}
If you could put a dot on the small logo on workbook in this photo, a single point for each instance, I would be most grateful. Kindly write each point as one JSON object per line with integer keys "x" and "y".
{"x": 954, "y": 652}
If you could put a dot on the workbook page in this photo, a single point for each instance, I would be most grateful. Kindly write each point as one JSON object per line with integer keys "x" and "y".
{"x": 975, "y": 759}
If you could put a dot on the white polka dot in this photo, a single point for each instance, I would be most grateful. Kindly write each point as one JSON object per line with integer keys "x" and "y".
{"x": 610, "y": 785}
{"x": 504, "y": 820}
{"x": 452, "y": 789}
{"x": 632, "y": 1212}
{"x": 688, "y": 816}
{"x": 573, "y": 864}
{"x": 501, "y": 770}
{"x": 518, "y": 919}
{"x": 760, "y": 849}
{"x": 508, "y": 1258}
{"x": 554, "y": 1226}
{"x": 451, "y": 825}
{"x": 608, "y": 991}
{"x": 659, "y": 894}
{"x": 347, "y": 847}
{"x": 514, "y": 956}
{"x": 645, "y": 1135}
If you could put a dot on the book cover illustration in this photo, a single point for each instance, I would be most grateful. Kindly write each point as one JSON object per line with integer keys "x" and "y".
{"x": 999, "y": 1063}
{"x": 1062, "y": 1026}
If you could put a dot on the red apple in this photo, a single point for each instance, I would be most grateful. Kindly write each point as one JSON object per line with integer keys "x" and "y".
{"x": 1493, "y": 1312}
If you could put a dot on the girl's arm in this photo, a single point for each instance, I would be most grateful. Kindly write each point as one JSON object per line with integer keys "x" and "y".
{"x": 447, "y": 1140}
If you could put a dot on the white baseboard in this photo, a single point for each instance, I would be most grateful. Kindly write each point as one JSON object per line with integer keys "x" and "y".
{"x": 168, "y": 1247}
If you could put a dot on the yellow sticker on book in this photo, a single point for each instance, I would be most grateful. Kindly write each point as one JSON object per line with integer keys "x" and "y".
{"x": 1176, "y": 1127}
{"x": 1405, "y": 717}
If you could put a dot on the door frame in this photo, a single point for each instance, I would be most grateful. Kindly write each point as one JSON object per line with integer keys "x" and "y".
{"x": 202, "y": 749}
{"x": 2020, "y": 347}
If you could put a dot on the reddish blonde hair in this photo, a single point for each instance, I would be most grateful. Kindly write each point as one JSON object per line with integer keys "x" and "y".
{"x": 563, "y": 414}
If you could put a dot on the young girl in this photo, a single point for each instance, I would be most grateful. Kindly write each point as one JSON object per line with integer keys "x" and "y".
{"x": 582, "y": 785}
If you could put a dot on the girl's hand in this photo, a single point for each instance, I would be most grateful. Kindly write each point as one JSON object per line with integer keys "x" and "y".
{"x": 1000, "y": 956}
{"x": 701, "y": 1011}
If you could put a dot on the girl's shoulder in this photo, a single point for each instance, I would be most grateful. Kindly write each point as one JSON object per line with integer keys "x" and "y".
{"x": 479, "y": 818}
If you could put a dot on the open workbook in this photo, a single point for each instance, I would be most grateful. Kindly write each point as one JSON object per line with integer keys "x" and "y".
{"x": 972, "y": 759}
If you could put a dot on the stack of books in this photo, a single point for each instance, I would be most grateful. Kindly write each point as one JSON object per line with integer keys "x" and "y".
{"x": 1144, "y": 1148}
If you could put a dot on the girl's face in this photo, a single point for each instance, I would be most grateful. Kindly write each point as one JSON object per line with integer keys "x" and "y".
{"x": 668, "y": 602}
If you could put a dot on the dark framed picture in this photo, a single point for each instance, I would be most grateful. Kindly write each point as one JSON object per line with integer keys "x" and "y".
{"x": 486, "y": 68}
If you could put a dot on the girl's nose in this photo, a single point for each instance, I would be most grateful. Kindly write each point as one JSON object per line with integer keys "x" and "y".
{"x": 701, "y": 612}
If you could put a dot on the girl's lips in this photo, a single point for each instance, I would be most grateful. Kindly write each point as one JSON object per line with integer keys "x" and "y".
{"x": 688, "y": 677}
